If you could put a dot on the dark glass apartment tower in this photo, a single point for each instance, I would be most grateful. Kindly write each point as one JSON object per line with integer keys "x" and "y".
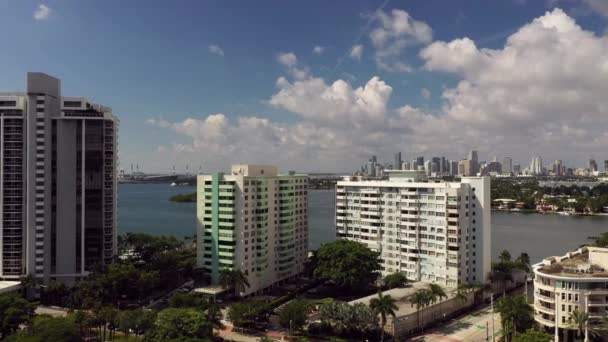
{"x": 58, "y": 183}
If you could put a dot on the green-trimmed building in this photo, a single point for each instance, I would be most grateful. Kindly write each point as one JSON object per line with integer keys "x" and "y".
{"x": 254, "y": 220}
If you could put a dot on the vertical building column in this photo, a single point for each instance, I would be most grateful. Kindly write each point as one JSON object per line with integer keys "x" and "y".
{"x": 82, "y": 199}
{"x": 1, "y": 196}
{"x": 215, "y": 202}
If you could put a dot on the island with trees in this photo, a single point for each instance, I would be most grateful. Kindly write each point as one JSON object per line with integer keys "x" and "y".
{"x": 184, "y": 198}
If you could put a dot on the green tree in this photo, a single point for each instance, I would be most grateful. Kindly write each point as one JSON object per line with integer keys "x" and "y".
{"x": 14, "y": 311}
{"x": 421, "y": 299}
{"x": 600, "y": 241}
{"x": 127, "y": 321}
{"x": 437, "y": 294}
{"x": 345, "y": 319}
{"x": 394, "y": 280}
{"x": 383, "y": 306}
{"x": 234, "y": 279}
{"x": 180, "y": 323}
{"x": 46, "y": 328}
{"x": 294, "y": 314}
{"x": 266, "y": 339}
{"x": 350, "y": 264}
{"x": 581, "y": 322}
{"x": 188, "y": 300}
{"x": 243, "y": 314}
{"x": 515, "y": 314}
{"x": 504, "y": 256}
{"x": 532, "y": 335}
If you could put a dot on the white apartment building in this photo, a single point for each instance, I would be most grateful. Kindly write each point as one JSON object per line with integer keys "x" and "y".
{"x": 433, "y": 231}
{"x": 562, "y": 285}
{"x": 254, "y": 220}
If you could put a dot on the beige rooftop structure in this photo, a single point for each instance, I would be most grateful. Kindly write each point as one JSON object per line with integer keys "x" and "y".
{"x": 577, "y": 281}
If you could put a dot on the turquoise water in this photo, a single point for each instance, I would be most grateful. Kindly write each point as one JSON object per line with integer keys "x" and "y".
{"x": 146, "y": 208}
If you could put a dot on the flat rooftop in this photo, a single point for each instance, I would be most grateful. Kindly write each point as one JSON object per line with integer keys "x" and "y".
{"x": 9, "y": 286}
{"x": 402, "y": 296}
{"x": 587, "y": 262}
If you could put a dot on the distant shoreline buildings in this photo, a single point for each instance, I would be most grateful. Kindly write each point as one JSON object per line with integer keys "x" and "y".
{"x": 472, "y": 166}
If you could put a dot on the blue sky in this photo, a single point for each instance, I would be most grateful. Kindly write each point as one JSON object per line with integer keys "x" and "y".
{"x": 152, "y": 62}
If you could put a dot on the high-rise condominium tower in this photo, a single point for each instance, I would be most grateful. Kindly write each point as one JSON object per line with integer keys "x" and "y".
{"x": 58, "y": 183}
{"x": 254, "y": 220}
{"x": 507, "y": 165}
{"x": 536, "y": 166}
{"x": 474, "y": 158}
{"x": 397, "y": 162}
{"x": 433, "y": 231}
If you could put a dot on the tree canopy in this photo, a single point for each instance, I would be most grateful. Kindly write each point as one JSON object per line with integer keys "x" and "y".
{"x": 532, "y": 335}
{"x": 14, "y": 311}
{"x": 293, "y": 315}
{"x": 180, "y": 323}
{"x": 243, "y": 314}
{"x": 350, "y": 264}
{"x": 394, "y": 280}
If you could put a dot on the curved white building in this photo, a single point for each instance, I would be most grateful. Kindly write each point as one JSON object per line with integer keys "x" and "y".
{"x": 575, "y": 281}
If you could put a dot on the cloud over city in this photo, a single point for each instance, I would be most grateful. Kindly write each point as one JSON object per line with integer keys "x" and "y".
{"x": 543, "y": 91}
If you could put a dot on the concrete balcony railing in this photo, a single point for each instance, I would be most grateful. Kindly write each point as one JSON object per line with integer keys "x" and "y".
{"x": 544, "y": 298}
{"x": 543, "y": 321}
{"x": 544, "y": 309}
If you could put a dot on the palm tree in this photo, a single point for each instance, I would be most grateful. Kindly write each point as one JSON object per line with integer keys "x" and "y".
{"x": 214, "y": 316}
{"x": 383, "y": 306}
{"x": 29, "y": 282}
{"x": 524, "y": 261}
{"x": 514, "y": 312}
{"x": 420, "y": 299}
{"x": 501, "y": 277}
{"x": 581, "y": 322}
{"x": 437, "y": 294}
{"x": 234, "y": 279}
{"x": 504, "y": 256}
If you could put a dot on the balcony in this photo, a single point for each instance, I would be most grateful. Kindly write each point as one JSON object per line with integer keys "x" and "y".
{"x": 546, "y": 299}
{"x": 543, "y": 321}
{"x": 544, "y": 309}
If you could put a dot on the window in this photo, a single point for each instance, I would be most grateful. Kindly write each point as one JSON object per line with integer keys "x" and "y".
{"x": 72, "y": 104}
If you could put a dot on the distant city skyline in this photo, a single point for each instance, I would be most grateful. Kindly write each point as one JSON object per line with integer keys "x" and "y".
{"x": 213, "y": 84}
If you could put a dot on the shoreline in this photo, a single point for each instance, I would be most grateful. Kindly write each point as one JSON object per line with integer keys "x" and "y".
{"x": 534, "y": 211}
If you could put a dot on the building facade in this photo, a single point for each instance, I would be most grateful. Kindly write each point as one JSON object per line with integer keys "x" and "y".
{"x": 432, "y": 231}
{"x": 58, "y": 183}
{"x": 577, "y": 281}
{"x": 254, "y": 220}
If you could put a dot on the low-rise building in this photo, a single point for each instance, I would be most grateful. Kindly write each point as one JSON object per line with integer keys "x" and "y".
{"x": 562, "y": 285}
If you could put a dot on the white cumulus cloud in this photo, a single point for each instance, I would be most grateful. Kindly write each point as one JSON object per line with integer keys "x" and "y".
{"x": 543, "y": 92}
{"x": 395, "y": 31}
{"x": 42, "y": 12}
{"x": 356, "y": 52}
{"x": 216, "y": 50}
{"x": 318, "y": 49}
{"x": 288, "y": 59}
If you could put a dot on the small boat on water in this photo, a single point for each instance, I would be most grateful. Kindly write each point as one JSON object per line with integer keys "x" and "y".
{"x": 173, "y": 184}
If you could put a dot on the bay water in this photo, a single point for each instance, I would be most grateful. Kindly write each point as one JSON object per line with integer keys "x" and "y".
{"x": 146, "y": 208}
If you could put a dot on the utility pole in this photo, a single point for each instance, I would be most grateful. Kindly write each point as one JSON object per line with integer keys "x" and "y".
{"x": 492, "y": 308}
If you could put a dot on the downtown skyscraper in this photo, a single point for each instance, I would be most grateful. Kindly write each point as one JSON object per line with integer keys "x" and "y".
{"x": 58, "y": 183}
